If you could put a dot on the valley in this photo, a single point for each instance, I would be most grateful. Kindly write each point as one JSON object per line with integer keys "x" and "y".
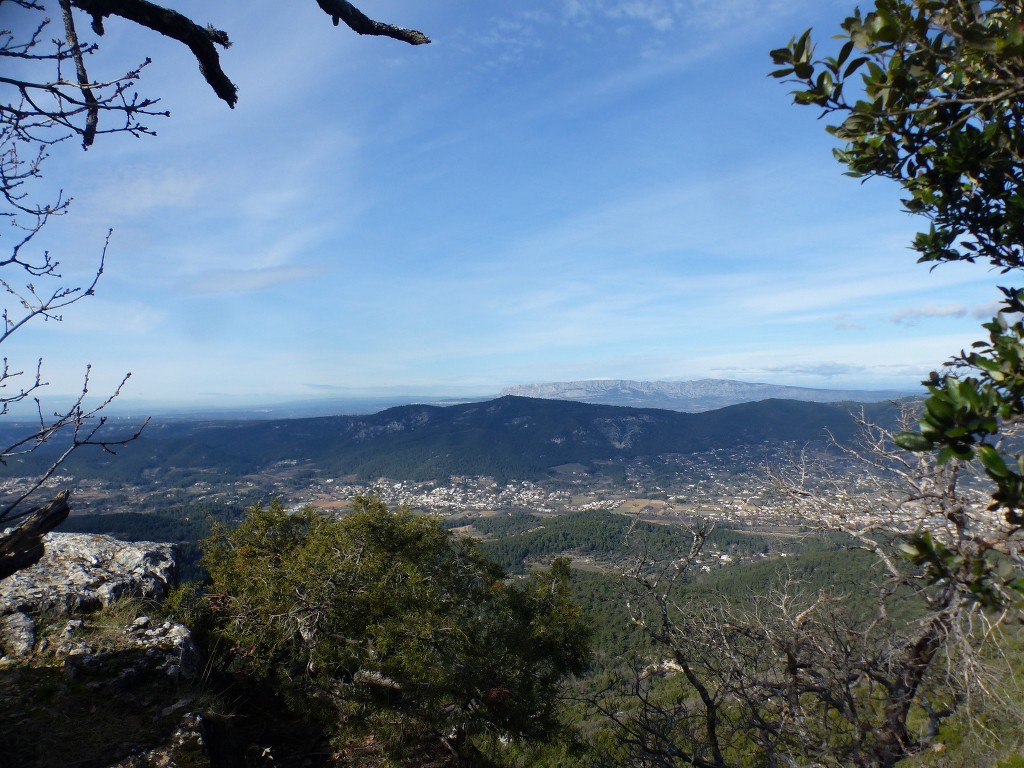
{"x": 552, "y": 457}
{"x": 614, "y": 465}
{"x": 711, "y": 521}
{"x": 719, "y": 484}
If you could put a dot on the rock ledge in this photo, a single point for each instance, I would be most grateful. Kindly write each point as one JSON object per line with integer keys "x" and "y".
{"x": 82, "y": 571}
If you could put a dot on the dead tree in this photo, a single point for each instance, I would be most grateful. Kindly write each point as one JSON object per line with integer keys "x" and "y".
{"x": 796, "y": 676}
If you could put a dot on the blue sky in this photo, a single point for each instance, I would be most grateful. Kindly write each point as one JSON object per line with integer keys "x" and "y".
{"x": 552, "y": 190}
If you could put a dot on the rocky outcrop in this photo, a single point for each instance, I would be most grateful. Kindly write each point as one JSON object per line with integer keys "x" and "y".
{"x": 143, "y": 648}
{"x": 85, "y": 571}
{"x": 121, "y": 689}
{"x": 17, "y": 634}
{"x": 118, "y": 691}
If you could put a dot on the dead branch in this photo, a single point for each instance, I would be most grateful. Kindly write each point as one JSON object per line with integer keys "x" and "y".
{"x": 357, "y": 21}
{"x": 201, "y": 41}
{"x": 22, "y": 546}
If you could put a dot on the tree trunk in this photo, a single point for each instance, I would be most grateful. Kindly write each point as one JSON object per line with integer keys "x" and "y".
{"x": 22, "y": 546}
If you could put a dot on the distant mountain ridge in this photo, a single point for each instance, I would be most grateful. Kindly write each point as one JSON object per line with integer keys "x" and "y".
{"x": 691, "y": 396}
{"x": 507, "y": 438}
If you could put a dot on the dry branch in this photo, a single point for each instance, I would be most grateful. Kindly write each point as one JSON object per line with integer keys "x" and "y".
{"x": 357, "y": 21}
{"x": 202, "y": 41}
{"x": 22, "y": 546}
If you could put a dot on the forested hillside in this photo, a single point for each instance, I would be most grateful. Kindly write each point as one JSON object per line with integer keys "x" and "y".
{"x": 507, "y": 438}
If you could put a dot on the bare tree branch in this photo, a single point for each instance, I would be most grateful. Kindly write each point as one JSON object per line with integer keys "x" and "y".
{"x": 65, "y": 101}
{"x": 93, "y": 110}
{"x": 357, "y": 21}
{"x": 22, "y": 546}
{"x": 202, "y": 41}
{"x": 798, "y": 676}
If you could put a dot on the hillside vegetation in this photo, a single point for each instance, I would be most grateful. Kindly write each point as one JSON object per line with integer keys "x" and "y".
{"x": 508, "y": 438}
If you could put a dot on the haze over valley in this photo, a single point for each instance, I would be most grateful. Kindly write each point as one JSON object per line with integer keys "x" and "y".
{"x": 509, "y": 454}
{"x": 532, "y": 479}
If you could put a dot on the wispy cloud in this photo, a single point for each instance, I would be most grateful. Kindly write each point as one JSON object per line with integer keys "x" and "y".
{"x": 664, "y": 15}
{"x": 124, "y": 194}
{"x": 242, "y": 281}
{"x": 658, "y": 14}
{"x": 985, "y": 311}
{"x": 845, "y": 323}
{"x": 717, "y": 14}
{"x": 913, "y": 315}
{"x": 886, "y": 362}
{"x": 649, "y": 25}
{"x": 827, "y": 370}
{"x": 554, "y": 190}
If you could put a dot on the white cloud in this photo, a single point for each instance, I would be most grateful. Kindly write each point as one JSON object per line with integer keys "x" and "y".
{"x": 665, "y": 15}
{"x": 655, "y": 13}
{"x": 891, "y": 362}
{"x": 843, "y": 322}
{"x": 912, "y": 315}
{"x": 985, "y": 311}
{"x": 241, "y": 281}
{"x": 142, "y": 190}
{"x": 827, "y": 370}
{"x": 716, "y": 14}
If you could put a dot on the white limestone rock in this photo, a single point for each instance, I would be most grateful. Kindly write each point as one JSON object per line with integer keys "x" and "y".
{"x": 17, "y": 634}
{"x": 82, "y": 571}
{"x": 168, "y": 649}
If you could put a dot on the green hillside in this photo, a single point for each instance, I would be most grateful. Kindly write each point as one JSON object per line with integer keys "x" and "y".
{"x": 508, "y": 438}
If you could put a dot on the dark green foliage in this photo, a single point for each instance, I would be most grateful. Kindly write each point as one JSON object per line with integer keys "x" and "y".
{"x": 603, "y": 596}
{"x": 816, "y": 563}
{"x": 789, "y": 661}
{"x": 928, "y": 93}
{"x": 498, "y": 526}
{"x": 136, "y": 526}
{"x": 853, "y": 574}
{"x": 609, "y": 537}
{"x": 382, "y": 622}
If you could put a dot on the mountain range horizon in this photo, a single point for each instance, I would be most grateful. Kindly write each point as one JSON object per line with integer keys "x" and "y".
{"x": 676, "y": 394}
{"x": 510, "y": 437}
{"x": 692, "y": 396}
